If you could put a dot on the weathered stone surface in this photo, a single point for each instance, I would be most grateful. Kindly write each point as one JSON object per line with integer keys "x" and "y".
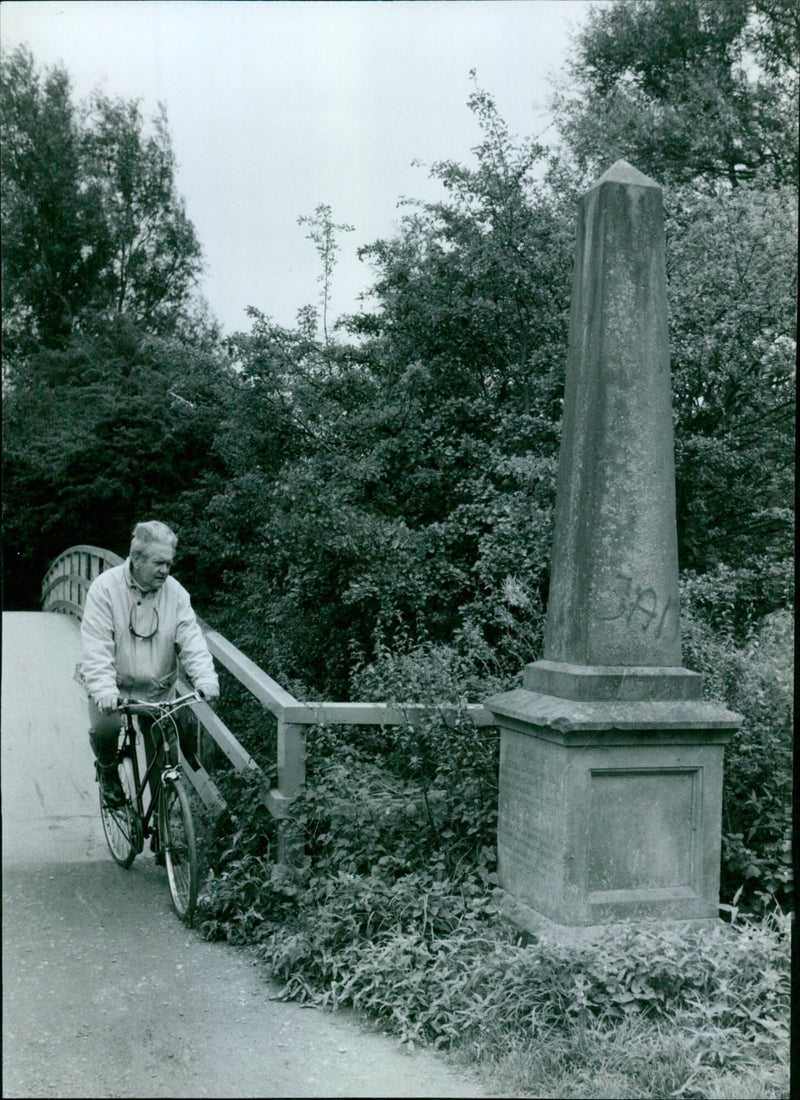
{"x": 610, "y": 759}
{"x": 614, "y": 574}
{"x": 595, "y": 832}
{"x": 582, "y": 935}
{"x": 549, "y": 712}
{"x": 616, "y": 683}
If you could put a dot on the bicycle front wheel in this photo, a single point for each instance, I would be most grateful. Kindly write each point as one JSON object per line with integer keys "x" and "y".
{"x": 180, "y": 848}
{"x": 121, "y": 826}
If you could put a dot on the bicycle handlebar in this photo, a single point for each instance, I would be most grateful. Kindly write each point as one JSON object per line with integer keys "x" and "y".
{"x": 140, "y": 706}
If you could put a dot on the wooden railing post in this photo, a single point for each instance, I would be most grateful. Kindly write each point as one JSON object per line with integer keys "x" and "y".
{"x": 291, "y": 780}
{"x": 291, "y": 758}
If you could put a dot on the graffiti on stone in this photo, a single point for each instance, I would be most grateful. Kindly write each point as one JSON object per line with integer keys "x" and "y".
{"x": 641, "y": 606}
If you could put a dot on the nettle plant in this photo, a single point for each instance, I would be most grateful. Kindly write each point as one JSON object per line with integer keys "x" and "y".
{"x": 401, "y": 799}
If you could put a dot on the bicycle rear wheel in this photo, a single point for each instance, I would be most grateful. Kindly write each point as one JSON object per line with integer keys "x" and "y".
{"x": 180, "y": 848}
{"x": 121, "y": 825}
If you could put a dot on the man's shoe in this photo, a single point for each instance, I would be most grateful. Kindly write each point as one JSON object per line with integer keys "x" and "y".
{"x": 113, "y": 794}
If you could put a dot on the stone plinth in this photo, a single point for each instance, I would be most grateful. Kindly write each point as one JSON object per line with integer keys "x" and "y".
{"x": 610, "y": 810}
{"x": 610, "y": 760}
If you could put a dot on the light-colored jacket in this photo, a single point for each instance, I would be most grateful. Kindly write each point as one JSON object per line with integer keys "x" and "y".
{"x": 116, "y": 661}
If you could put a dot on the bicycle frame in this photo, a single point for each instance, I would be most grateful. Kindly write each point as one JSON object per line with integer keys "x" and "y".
{"x": 126, "y": 825}
{"x": 170, "y": 769}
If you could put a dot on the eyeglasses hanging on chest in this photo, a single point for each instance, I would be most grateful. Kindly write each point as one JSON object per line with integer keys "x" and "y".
{"x": 143, "y": 621}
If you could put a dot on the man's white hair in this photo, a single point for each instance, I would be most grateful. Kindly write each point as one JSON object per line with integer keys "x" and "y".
{"x": 145, "y": 534}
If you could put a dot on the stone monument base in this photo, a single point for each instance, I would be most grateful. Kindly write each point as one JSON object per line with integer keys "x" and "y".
{"x": 610, "y": 811}
{"x": 542, "y": 928}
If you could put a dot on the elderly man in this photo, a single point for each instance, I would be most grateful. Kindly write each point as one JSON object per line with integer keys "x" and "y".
{"x": 136, "y": 622}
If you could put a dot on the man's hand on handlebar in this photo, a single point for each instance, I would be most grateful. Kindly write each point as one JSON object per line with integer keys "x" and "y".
{"x": 110, "y": 703}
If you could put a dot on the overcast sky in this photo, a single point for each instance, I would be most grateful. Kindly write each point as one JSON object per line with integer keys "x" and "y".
{"x": 276, "y": 106}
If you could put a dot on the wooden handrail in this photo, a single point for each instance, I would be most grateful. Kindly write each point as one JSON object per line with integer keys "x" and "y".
{"x": 269, "y": 693}
{"x": 64, "y": 589}
{"x": 383, "y": 714}
{"x": 64, "y": 578}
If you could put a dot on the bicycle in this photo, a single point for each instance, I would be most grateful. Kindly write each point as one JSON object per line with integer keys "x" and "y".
{"x": 166, "y": 817}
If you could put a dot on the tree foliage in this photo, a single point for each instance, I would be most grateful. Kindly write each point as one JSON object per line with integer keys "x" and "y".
{"x": 100, "y": 263}
{"x": 322, "y": 231}
{"x": 686, "y": 89}
{"x": 473, "y": 287}
{"x": 732, "y": 280}
{"x": 109, "y": 429}
{"x": 46, "y": 222}
{"x": 93, "y": 226}
{"x": 154, "y": 254}
{"x": 385, "y": 486}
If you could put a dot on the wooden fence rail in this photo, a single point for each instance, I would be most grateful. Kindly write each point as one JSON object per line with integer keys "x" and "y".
{"x": 64, "y": 590}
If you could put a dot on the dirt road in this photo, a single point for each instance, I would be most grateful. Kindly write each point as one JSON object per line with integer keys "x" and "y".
{"x": 105, "y": 992}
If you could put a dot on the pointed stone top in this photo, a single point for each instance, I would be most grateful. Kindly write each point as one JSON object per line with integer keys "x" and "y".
{"x": 622, "y": 172}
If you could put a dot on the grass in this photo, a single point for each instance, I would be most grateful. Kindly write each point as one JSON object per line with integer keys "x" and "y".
{"x": 636, "y": 1058}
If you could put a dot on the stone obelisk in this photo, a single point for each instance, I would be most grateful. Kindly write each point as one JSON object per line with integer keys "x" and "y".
{"x": 611, "y": 762}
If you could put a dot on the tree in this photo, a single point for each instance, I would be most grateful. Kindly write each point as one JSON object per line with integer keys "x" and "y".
{"x": 474, "y": 287}
{"x": 322, "y": 231}
{"x": 53, "y": 247}
{"x": 113, "y": 427}
{"x": 93, "y": 227}
{"x": 402, "y": 486}
{"x": 99, "y": 267}
{"x": 155, "y": 257}
{"x": 686, "y": 89}
{"x": 731, "y": 263}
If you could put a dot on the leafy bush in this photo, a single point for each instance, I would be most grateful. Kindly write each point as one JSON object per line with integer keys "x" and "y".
{"x": 429, "y": 800}
{"x": 392, "y": 912}
{"x": 753, "y": 677}
{"x": 471, "y": 980}
{"x": 432, "y": 959}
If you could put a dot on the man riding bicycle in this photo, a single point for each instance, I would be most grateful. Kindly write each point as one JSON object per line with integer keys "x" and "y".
{"x": 137, "y": 621}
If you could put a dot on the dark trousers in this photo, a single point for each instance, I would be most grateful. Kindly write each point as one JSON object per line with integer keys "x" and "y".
{"x": 104, "y": 736}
